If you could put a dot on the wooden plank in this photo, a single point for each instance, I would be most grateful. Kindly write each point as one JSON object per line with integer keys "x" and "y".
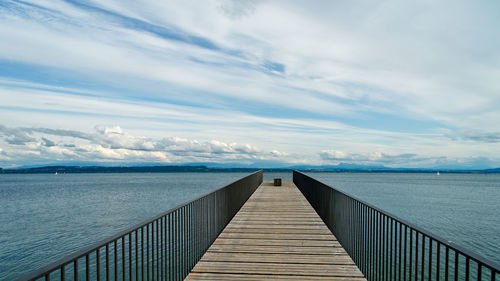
{"x": 194, "y": 276}
{"x": 282, "y": 226}
{"x": 278, "y": 212}
{"x": 243, "y": 235}
{"x": 275, "y": 249}
{"x": 277, "y": 231}
{"x": 277, "y": 242}
{"x": 279, "y": 268}
{"x": 277, "y": 221}
{"x": 273, "y": 257}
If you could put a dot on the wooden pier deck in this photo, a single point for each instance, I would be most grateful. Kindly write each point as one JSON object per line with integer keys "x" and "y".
{"x": 276, "y": 235}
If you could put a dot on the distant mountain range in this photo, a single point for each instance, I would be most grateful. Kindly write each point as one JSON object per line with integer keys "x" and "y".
{"x": 343, "y": 167}
{"x": 132, "y": 169}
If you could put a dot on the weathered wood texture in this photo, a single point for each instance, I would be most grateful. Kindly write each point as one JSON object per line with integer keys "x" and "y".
{"x": 276, "y": 235}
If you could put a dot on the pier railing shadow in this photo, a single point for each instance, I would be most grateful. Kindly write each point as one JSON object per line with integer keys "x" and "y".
{"x": 385, "y": 247}
{"x": 165, "y": 247}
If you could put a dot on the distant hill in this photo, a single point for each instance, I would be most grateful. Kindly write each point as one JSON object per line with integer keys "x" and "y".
{"x": 349, "y": 167}
{"x": 100, "y": 169}
{"x": 341, "y": 166}
{"x": 496, "y": 170}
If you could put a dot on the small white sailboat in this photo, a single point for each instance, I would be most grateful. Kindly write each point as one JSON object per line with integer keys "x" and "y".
{"x": 438, "y": 174}
{"x": 55, "y": 173}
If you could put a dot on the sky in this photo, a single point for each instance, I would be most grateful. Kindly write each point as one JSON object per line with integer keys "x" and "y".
{"x": 250, "y": 83}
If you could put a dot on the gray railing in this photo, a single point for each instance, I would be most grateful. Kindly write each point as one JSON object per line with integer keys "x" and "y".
{"x": 385, "y": 247}
{"x": 165, "y": 247}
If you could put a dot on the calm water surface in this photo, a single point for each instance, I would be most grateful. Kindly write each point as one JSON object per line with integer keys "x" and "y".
{"x": 45, "y": 217}
{"x": 462, "y": 208}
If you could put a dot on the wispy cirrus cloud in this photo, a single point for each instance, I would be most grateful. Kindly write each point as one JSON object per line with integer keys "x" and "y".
{"x": 475, "y": 136}
{"x": 379, "y": 158}
{"x": 279, "y": 75}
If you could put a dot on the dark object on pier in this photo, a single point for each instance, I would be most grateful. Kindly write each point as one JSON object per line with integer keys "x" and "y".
{"x": 277, "y": 182}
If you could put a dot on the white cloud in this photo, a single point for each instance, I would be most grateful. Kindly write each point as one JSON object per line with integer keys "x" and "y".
{"x": 334, "y": 155}
{"x": 279, "y": 75}
{"x": 111, "y": 143}
{"x": 380, "y": 158}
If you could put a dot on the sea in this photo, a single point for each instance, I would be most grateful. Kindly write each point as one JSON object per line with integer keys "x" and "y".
{"x": 44, "y": 217}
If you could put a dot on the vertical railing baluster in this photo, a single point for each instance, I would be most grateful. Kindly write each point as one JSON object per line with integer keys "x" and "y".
{"x": 422, "y": 271}
{"x": 399, "y": 249}
{"x": 386, "y": 247}
{"x": 361, "y": 244}
{"x": 379, "y": 247}
{"x": 405, "y": 252}
{"x": 142, "y": 253}
{"x": 107, "y": 261}
{"x": 446, "y": 262}
{"x": 181, "y": 242}
{"x": 161, "y": 248}
{"x": 153, "y": 251}
{"x": 351, "y": 228}
{"x": 147, "y": 252}
{"x": 75, "y": 269}
{"x": 167, "y": 247}
{"x": 456, "y": 266}
{"x": 130, "y": 256}
{"x": 164, "y": 247}
{"x": 98, "y": 264}
{"x": 157, "y": 251}
{"x": 363, "y": 233}
{"x": 391, "y": 249}
{"x": 170, "y": 246}
{"x": 173, "y": 245}
{"x": 63, "y": 275}
{"x": 176, "y": 245}
{"x": 365, "y": 237}
{"x": 190, "y": 258}
{"x": 123, "y": 258}
{"x": 136, "y": 255}
{"x": 355, "y": 230}
{"x": 179, "y": 249}
{"x": 87, "y": 268}
{"x": 430, "y": 260}
{"x": 416, "y": 255}
{"x": 373, "y": 244}
{"x": 115, "y": 250}
{"x": 184, "y": 241}
{"x": 467, "y": 269}
{"x": 438, "y": 260}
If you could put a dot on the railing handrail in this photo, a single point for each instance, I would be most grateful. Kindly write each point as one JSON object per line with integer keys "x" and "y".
{"x": 89, "y": 249}
{"x": 474, "y": 256}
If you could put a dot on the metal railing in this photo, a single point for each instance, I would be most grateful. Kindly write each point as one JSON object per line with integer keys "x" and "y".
{"x": 165, "y": 247}
{"x": 385, "y": 247}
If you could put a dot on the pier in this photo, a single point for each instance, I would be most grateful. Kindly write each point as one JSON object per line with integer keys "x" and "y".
{"x": 276, "y": 235}
{"x": 253, "y": 230}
